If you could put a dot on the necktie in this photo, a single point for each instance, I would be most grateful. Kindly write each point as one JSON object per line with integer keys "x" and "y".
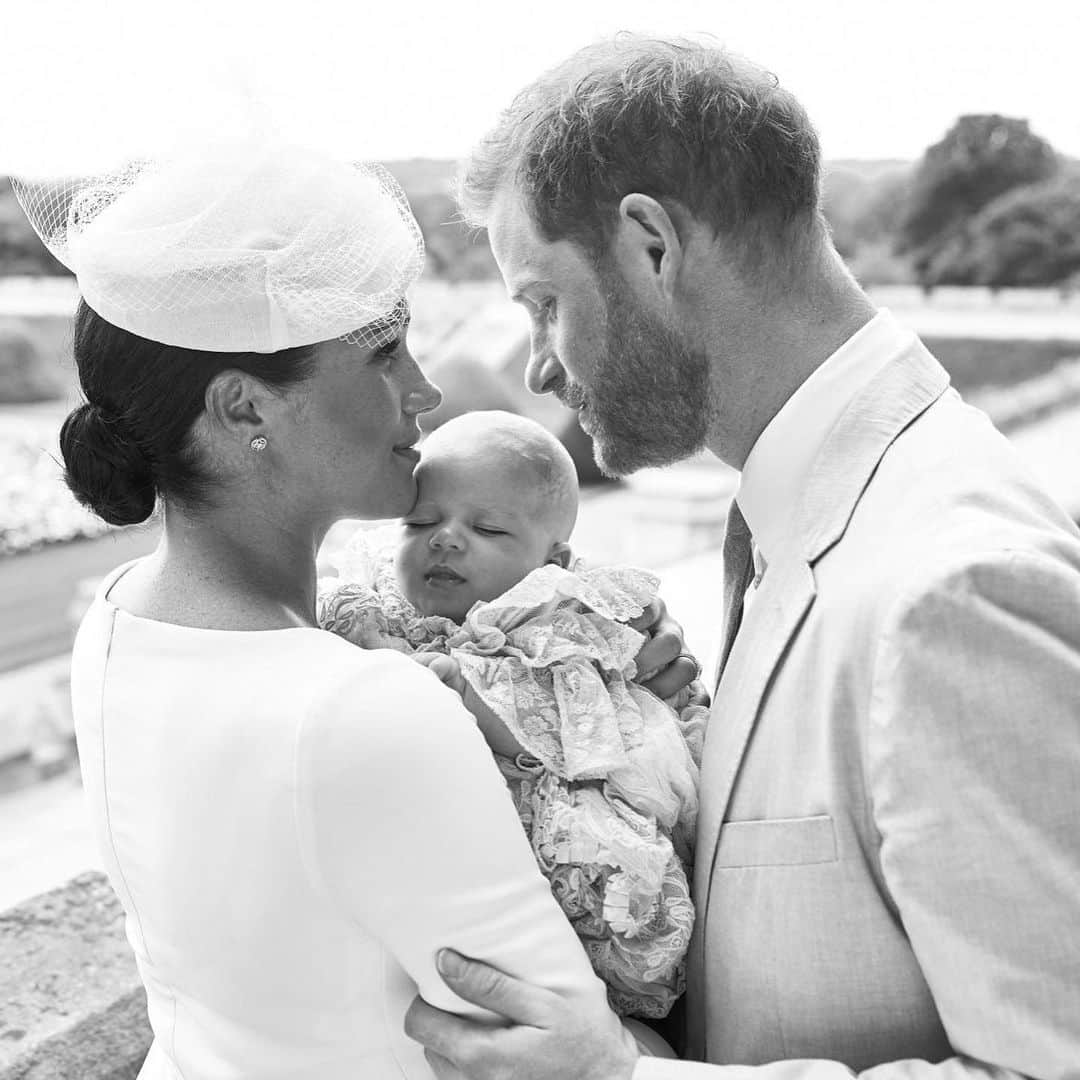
{"x": 738, "y": 573}
{"x": 758, "y": 574}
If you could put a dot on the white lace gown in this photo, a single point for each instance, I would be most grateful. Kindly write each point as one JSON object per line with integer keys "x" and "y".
{"x": 294, "y": 827}
{"x": 606, "y": 788}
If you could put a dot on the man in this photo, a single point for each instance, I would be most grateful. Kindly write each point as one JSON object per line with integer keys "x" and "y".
{"x": 887, "y": 872}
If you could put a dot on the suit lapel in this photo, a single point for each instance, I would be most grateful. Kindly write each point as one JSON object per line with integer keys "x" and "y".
{"x": 780, "y": 604}
{"x": 900, "y": 392}
{"x": 896, "y": 396}
{"x": 904, "y": 388}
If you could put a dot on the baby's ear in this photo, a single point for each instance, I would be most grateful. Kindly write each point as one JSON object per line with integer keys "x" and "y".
{"x": 560, "y": 555}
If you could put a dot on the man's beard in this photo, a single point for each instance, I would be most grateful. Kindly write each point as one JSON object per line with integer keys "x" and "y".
{"x": 650, "y": 402}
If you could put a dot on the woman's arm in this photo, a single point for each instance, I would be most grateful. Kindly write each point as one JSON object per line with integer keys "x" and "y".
{"x": 407, "y": 826}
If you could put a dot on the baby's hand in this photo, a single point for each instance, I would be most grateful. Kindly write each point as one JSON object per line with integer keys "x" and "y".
{"x": 496, "y": 733}
{"x": 445, "y": 667}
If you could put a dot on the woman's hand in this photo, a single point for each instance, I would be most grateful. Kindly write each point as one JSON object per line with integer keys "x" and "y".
{"x": 664, "y": 666}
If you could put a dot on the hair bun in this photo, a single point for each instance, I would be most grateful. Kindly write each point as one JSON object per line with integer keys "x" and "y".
{"x": 105, "y": 468}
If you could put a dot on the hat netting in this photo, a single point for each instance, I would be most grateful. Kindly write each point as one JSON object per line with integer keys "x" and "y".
{"x": 239, "y": 248}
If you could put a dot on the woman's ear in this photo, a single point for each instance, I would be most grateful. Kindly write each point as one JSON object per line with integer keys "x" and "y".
{"x": 560, "y": 555}
{"x": 647, "y": 246}
{"x": 236, "y": 404}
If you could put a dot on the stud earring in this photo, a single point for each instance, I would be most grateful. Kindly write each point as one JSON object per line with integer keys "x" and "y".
{"x": 258, "y": 444}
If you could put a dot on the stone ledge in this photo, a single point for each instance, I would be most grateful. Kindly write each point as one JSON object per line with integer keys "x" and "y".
{"x": 71, "y": 1003}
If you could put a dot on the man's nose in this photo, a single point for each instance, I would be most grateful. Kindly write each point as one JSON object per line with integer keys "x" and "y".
{"x": 543, "y": 373}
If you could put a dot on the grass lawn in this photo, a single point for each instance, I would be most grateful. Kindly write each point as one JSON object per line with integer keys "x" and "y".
{"x": 979, "y": 363}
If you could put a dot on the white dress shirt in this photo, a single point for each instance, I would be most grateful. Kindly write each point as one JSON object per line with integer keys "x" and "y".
{"x": 776, "y": 471}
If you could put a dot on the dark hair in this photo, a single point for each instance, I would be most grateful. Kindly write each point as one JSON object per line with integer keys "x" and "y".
{"x": 130, "y": 441}
{"x": 674, "y": 120}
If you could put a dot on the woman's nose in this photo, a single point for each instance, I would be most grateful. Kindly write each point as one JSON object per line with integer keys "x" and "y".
{"x": 543, "y": 373}
{"x": 421, "y": 396}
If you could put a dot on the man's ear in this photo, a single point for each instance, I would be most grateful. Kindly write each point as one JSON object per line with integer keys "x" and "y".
{"x": 560, "y": 555}
{"x": 236, "y": 404}
{"x": 647, "y": 246}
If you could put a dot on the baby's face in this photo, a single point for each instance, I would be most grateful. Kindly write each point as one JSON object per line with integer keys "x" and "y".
{"x": 476, "y": 530}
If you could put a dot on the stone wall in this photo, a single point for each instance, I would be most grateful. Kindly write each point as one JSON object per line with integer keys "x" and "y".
{"x": 71, "y": 1004}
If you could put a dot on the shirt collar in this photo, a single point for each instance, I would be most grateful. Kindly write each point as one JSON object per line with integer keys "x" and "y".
{"x": 779, "y": 464}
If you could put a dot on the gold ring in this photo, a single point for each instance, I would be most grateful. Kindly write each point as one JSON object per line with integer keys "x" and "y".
{"x": 693, "y": 660}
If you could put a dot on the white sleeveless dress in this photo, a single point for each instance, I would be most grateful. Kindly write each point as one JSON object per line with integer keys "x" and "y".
{"x": 294, "y": 827}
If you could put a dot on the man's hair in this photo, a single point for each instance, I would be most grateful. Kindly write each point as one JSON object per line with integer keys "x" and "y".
{"x": 676, "y": 120}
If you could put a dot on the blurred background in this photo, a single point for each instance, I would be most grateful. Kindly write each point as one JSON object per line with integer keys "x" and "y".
{"x": 952, "y": 186}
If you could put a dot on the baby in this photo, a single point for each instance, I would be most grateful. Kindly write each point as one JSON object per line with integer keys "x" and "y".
{"x": 483, "y": 588}
{"x": 497, "y": 497}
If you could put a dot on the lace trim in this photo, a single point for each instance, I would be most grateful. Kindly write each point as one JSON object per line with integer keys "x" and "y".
{"x": 607, "y": 787}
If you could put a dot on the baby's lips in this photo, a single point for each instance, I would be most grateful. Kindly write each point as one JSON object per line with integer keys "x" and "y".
{"x": 444, "y": 573}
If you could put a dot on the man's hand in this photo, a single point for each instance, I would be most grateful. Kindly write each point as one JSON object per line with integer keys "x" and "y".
{"x": 694, "y": 694}
{"x": 547, "y": 1035}
{"x": 665, "y": 665}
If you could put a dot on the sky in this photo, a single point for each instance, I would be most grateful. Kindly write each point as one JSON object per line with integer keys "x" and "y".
{"x": 86, "y": 83}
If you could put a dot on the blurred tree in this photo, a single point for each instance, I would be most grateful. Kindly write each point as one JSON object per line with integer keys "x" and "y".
{"x": 843, "y": 200}
{"x": 883, "y": 212}
{"x": 877, "y": 263}
{"x": 980, "y": 158}
{"x": 21, "y": 252}
{"x": 1029, "y": 236}
{"x": 24, "y": 376}
{"x": 454, "y": 252}
{"x": 864, "y": 207}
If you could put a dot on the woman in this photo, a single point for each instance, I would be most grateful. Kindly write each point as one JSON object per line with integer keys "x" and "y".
{"x": 294, "y": 826}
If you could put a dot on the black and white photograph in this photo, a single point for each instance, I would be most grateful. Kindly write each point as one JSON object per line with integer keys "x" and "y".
{"x": 540, "y": 543}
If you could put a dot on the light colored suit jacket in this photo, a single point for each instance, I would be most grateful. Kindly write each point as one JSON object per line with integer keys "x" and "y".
{"x": 888, "y": 862}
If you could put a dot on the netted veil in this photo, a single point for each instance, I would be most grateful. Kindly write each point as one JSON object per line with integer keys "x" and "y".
{"x": 240, "y": 246}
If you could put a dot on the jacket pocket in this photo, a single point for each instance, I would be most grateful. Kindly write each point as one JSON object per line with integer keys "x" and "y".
{"x": 777, "y": 842}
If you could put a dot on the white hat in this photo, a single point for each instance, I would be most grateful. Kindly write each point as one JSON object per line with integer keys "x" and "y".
{"x": 240, "y": 247}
